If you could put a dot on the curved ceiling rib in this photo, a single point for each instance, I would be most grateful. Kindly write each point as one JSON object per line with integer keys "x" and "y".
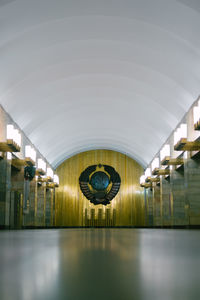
{"x": 80, "y": 75}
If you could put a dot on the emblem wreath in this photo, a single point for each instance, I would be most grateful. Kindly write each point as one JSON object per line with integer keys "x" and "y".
{"x": 108, "y": 191}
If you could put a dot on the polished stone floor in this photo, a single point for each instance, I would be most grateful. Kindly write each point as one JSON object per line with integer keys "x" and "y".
{"x": 100, "y": 264}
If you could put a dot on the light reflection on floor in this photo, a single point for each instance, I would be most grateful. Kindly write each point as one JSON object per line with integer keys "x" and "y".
{"x": 100, "y": 264}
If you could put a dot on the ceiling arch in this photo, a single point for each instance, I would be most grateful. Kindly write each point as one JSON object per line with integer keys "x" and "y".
{"x": 80, "y": 75}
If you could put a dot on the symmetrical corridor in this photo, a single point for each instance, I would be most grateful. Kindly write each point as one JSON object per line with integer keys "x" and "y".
{"x": 119, "y": 264}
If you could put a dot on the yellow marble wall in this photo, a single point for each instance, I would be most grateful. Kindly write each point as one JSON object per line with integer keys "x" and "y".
{"x": 70, "y": 203}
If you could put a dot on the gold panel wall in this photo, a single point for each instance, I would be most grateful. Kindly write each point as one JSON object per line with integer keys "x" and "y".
{"x": 73, "y": 209}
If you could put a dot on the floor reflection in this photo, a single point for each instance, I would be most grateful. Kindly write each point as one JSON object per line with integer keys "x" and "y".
{"x": 99, "y": 264}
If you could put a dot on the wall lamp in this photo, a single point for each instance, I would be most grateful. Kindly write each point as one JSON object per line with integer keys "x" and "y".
{"x": 143, "y": 183}
{"x": 180, "y": 137}
{"x": 13, "y": 140}
{"x": 41, "y": 167}
{"x": 50, "y": 174}
{"x": 155, "y": 166}
{"x": 30, "y": 155}
{"x": 53, "y": 184}
{"x": 165, "y": 158}
{"x": 56, "y": 180}
{"x": 196, "y": 116}
{"x": 181, "y": 143}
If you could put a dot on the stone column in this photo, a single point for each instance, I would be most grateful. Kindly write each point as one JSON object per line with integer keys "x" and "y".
{"x": 150, "y": 209}
{"x": 41, "y": 205}
{"x": 166, "y": 201}
{"x": 5, "y": 192}
{"x": 179, "y": 197}
{"x": 156, "y": 205}
{"x": 192, "y": 190}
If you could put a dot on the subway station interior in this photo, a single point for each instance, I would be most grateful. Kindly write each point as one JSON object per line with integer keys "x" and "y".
{"x": 99, "y": 149}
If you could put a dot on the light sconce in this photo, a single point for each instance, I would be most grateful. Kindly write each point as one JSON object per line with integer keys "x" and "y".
{"x": 54, "y": 184}
{"x": 155, "y": 165}
{"x": 147, "y": 174}
{"x": 143, "y": 183}
{"x": 30, "y": 155}
{"x": 13, "y": 140}
{"x": 181, "y": 143}
{"x": 196, "y": 116}
{"x": 41, "y": 167}
{"x": 50, "y": 174}
{"x": 165, "y": 154}
{"x": 180, "y": 137}
{"x": 56, "y": 180}
{"x": 166, "y": 160}
{"x": 142, "y": 179}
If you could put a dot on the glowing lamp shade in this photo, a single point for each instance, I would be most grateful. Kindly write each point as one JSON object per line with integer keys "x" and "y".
{"x": 196, "y": 114}
{"x": 180, "y": 133}
{"x": 155, "y": 164}
{"x": 17, "y": 137}
{"x": 142, "y": 179}
{"x": 33, "y": 154}
{"x": 49, "y": 172}
{"x": 56, "y": 179}
{"x": 10, "y": 130}
{"x": 165, "y": 151}
{"x": 30, "y": 153}
{"x": 42, "y": 165}
{"x": 147, "y": 173}
{"x": 13, "y": 134}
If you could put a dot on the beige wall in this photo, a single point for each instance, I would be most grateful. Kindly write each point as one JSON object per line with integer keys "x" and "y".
{"x": 71, "y": 205}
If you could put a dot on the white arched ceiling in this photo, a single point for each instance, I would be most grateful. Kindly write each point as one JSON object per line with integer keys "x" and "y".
{"x": 87, "y": 74}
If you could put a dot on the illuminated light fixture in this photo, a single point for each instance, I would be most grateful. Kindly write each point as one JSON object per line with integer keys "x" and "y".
{"x": 165, "y": 158}
{"x": 155, "y": 165}
{"x": 162, "y": 172}
{"x": 143, "y": 183}
{"x": 42, "y": 179}
{"x": 14, "y": 135}
{"x": 142, "y": 179}
{"x": 147, "y": 174}
{"x": 165, "y": 154}
{"x": 181, "y": 143}
{"x": 30, "y": 155}
{"x": 196, "y": 116}
{"x": 53, "y": 184}
{"x": 56, "y": 180}
{"x": 49, "y": 174}
{"x": 180, "y": 137}
{"x": 13, "y": 140}
{"x": 42, "y": 166}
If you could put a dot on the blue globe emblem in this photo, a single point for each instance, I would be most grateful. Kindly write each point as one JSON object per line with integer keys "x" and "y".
{"x": 99, "y": 181}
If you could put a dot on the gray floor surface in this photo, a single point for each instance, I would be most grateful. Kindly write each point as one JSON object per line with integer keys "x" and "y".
{"x": 100, "y": 264}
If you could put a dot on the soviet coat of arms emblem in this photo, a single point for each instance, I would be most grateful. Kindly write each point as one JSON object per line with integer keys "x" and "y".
{"x": 99, "y": 183}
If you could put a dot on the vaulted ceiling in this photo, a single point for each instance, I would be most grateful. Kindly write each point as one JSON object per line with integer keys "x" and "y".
{"x": 90, "y": 74}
